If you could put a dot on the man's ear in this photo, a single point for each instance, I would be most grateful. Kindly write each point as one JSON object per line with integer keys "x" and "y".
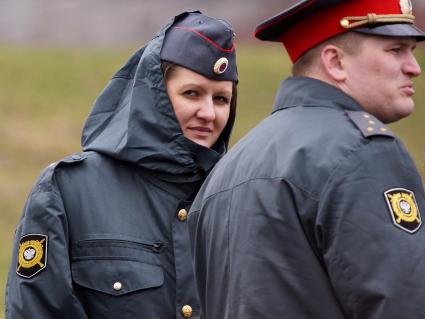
{"x": 333, "y": 64}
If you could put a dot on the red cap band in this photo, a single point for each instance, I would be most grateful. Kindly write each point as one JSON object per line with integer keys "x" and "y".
{"x": 324, "y": 24}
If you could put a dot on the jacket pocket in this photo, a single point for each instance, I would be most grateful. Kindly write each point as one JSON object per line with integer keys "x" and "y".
{"x": 118, "y": 279}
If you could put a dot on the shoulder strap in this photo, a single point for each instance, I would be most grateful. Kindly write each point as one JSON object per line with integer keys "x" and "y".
{"x": 369, "y": 125}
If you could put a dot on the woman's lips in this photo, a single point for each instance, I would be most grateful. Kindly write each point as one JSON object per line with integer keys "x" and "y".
{"x": 201, "y": 130}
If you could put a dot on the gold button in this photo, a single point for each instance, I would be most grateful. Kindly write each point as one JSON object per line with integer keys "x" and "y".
{"x": 372, "y": 122}
{"x": 187, "y": 311}
{"x": 182, "y": 215}
{"x": 345, "y": 23}
{"x": 383, "y": 129}
{"x": 370, "y": 129}
{"x": 117, "y": 286}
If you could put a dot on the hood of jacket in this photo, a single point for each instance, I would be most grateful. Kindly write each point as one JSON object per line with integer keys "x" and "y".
{"x": 133, "y": 120}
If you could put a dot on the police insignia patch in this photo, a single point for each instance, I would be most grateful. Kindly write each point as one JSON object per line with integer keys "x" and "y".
{"x": 32, "y": 255}
{"x": 403, "y": 209}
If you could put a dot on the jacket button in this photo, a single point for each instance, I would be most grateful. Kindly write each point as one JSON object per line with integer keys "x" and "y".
{"x": 182, "y": 215}
{"x": 187, "y": 311}
{"x": 76, "y": 157}
{"x": 117, "y": 286}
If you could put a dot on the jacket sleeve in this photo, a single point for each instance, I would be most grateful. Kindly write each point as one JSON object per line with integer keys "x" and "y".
{"x": 370, "y": 233}
{"x": 39, "y": 281}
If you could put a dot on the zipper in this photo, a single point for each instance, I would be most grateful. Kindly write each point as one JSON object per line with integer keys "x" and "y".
{"x": 156, "y": 247}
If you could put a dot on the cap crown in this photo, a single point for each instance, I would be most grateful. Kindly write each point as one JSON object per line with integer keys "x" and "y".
{"x": 203, "y": 44}
{"x": 311, "y": 22}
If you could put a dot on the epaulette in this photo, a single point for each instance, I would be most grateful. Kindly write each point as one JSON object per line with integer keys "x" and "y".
{"x": 74, "y": 158}
{"x": 369, "y": 125}
{"x": 77, "y": 157}
{"x": 45, "y": 179}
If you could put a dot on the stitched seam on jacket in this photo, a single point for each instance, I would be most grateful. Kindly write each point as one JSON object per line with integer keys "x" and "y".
{"x": 283, "y": 178}
{"x": 228, "y": 253}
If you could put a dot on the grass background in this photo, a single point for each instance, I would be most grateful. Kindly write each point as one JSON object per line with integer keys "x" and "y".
{"x": 46, "y": 94}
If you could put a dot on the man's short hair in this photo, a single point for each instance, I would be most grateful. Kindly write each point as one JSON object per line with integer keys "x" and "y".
{"x": 349, "y": 42}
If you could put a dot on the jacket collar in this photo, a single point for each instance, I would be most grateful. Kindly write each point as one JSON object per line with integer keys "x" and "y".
{"x": 305, "y": 91}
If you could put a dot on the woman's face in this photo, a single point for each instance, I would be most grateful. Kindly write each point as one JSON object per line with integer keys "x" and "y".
{"x": 202, "y": 106}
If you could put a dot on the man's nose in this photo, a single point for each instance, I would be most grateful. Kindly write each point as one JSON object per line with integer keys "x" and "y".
{"x": 411, "y": 66}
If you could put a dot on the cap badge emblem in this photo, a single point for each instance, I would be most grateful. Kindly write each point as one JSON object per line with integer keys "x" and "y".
{"x": 406, "y": 6}
{"x": 403, "y": 209}
{"x": 221, "y": 66}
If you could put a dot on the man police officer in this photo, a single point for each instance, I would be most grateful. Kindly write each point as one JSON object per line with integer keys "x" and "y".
{"x": 316, "y": 213}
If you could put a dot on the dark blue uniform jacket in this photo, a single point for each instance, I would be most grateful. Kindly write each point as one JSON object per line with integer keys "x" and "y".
{"x": 103, "y": 233}
{"x": 316, "y": 213}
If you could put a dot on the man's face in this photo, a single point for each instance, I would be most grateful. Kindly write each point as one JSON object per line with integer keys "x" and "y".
{"x": 379, "y": 76}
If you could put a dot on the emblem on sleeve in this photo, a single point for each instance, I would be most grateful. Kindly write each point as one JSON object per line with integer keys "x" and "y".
{"x": 403, "y": 209}
{"x": 32, "y": 255}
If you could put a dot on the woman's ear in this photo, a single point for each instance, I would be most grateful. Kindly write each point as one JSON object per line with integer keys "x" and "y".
{"x": 332, "y": 59}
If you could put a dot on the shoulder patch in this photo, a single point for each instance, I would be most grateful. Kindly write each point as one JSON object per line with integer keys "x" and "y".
{"x": 369, "y": 125}
{"x": 32, "y": 255}
{"x": 403, "y": 208}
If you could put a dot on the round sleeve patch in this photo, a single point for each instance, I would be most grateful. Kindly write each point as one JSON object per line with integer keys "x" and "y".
{"x": 32, "y": 255}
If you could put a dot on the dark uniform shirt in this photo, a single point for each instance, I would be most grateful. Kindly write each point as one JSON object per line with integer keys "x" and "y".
{"x": 104, "y": 232}
{"x": 316, "y": 213}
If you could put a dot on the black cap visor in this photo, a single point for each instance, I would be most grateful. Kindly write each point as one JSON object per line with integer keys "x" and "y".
{"x": 394, "y": 30}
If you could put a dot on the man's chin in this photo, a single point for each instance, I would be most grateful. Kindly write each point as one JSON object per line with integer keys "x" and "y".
{"x": 402, "y": 113}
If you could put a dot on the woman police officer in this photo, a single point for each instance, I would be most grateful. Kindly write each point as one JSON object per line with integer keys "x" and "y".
{"x": 103, "y": 233}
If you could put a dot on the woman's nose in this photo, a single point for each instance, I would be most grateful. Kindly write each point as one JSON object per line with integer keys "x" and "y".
{"x": 207, "y": 110}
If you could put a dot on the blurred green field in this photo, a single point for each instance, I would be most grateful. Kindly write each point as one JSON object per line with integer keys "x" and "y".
{"x": 46, "y": 94}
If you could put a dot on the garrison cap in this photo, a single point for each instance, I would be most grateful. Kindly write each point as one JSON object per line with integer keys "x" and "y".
{"x": 202, "y": 44}
{"x": 310, "y": 22}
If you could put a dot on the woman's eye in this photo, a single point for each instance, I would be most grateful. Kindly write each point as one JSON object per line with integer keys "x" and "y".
{"x": 190, "y": 93}
{"x": 222, "y": 99}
